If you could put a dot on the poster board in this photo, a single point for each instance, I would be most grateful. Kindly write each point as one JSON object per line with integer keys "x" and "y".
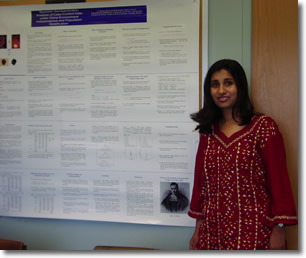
{"x": 94, "y": 114}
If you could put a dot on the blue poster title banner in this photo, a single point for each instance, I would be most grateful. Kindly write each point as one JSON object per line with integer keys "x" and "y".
{"x": 89, "y": 16}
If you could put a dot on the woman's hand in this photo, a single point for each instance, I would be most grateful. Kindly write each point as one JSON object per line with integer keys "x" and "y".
{"x": 278, "y": 238}
{"x": 195, "y": 237}
{"x": 193, "y": 241}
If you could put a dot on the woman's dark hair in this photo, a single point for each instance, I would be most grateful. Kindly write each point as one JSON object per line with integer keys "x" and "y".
{"x": 210, "y": 113}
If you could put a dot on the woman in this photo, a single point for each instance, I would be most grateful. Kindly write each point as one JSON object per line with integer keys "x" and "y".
{"x": 242, "y": 196}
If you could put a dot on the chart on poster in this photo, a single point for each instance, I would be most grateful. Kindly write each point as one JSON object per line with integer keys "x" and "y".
{"x": 95, "y": 101}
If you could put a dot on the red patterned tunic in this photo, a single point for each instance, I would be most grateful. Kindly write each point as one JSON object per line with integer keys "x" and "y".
{"x": 241, "y": 187}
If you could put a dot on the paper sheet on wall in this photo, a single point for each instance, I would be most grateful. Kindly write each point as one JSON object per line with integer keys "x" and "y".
{"x": 95, "y": 101}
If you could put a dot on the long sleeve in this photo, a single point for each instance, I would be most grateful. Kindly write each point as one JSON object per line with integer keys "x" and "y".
{"x": 282, "y": 207}
{"x": 196, "y": 203}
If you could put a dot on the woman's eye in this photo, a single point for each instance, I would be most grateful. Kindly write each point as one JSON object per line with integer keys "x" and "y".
{"x": 228, "y": 83}
{"x": 214, "y": 85}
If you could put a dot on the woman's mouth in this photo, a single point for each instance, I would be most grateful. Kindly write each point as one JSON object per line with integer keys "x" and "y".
{"x": 223, "y": 99}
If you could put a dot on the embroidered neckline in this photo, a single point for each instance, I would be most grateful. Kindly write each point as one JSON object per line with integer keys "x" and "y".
{"x": 227, "y": 145}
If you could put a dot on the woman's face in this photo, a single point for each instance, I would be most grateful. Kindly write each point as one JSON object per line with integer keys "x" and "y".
{"x": 223, "y": 89}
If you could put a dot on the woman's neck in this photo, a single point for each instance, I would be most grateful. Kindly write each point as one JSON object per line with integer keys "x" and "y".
{"x": 228, "y": 125}
{"x": 228, "y": 117}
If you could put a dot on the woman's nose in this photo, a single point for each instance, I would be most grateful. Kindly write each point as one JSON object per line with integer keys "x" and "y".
{"x": 221, "y": 89}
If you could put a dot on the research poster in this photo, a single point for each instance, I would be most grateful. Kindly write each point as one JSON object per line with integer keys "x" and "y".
{"x": 95, "y": 101}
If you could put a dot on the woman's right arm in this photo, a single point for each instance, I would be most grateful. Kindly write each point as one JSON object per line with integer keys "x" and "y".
{"x": 195, "y": 210}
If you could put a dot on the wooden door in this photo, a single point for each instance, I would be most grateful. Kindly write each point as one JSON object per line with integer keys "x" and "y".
{"x": 275, "y": 78}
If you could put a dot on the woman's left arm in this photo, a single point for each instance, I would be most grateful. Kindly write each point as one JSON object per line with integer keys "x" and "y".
{"x": 282, "y": 206}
